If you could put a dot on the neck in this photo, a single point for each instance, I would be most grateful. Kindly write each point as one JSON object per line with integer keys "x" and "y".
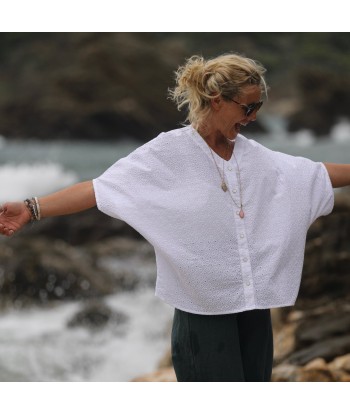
{"x": 221, "y": 145}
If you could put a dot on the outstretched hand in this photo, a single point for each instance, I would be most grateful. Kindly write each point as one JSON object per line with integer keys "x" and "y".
{"x": 13, "y": 216}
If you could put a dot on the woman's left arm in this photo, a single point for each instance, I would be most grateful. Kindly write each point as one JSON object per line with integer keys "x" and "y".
{"x": 339, "y": 174}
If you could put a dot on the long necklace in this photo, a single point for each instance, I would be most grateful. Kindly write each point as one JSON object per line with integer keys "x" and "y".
{"x": 224, "y": 185}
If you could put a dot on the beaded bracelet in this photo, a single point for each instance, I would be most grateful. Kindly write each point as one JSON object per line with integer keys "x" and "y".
{"x": 34, "y": 208}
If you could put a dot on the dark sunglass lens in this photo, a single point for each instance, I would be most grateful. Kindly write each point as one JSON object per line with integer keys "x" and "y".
{"x": 249, "y": 109}
{"x": 253, "y": 107}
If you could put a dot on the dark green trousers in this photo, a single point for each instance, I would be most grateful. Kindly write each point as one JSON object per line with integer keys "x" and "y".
{"x": 222, "y": 348}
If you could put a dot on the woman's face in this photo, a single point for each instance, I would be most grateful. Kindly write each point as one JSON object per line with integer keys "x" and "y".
{"x": 228, "y": 116}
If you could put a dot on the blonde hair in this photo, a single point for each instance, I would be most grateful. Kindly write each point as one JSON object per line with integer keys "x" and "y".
{"x": 199, "y": 81}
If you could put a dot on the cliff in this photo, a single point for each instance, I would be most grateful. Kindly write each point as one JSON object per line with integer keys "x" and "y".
{"x": 113, "y": 85}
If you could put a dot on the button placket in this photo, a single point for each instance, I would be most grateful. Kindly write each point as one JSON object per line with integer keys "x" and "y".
{"x": 244, "y": 256}
{"x": 243, "y": 249}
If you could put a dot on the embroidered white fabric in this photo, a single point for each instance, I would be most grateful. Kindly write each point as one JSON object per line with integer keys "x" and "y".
{"x": 209, "y": 260}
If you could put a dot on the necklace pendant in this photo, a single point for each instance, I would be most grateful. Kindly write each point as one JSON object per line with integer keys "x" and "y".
{"x": 241, "y": 214}
{"x": 224, "y": 187}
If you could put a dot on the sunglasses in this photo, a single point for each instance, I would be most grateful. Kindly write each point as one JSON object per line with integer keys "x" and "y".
{"x": 249, "y": 109}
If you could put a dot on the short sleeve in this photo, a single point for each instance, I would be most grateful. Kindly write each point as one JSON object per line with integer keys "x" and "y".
{"x": 311, "y": 189}
{"x": 322, "y": 193}
{"x": 130, "y": 189}
{"x": 109, "y": 200}
{"x": 122, "y": 189}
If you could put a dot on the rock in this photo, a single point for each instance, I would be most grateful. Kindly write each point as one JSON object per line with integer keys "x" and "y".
{"x": 341, "y": 363}
{"x": 55, "y": 265}
{"x": 277, "y": 318}
{"x": 161, "y": 375}
{"x": 130, "y": 260}
{"x": 317, "y": 364}
{"x": 284, "y": 373}
{"x": 166, "y": 361}
{"x": 164, "y": 373}
{"x": 341, "y": 376}
{"x": 295, "y": 316}
{"x": 34, "y": 270}
{"x": 327, "y": 349}
{"x": 89, "y": 85}
{"x": 317, "y": 371}
{"x": 123, "y": 247}
{"x": 284, "y": 342}
{"x": 327, "y": 254}
{"x": 326, "y": 326}
{"x": 318, "y": 86}
{"x": 81, "y": 228}
{"x": 96, "y": 315}
{"x": 314, "y": 375}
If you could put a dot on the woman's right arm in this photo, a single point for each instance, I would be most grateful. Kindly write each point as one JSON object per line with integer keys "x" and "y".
{"x": 73, "y": 199}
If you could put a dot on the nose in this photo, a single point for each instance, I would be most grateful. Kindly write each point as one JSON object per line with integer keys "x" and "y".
{"x": 252, "y": 116}
{"x": 249, "y": 119}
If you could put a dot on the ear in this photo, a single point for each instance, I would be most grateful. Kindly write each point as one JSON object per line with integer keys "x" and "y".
{"x": 216, "y": 103}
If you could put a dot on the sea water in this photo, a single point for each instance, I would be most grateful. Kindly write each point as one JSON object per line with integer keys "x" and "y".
{"x": 33, "y": 167}
{"x": 36, "y": 344}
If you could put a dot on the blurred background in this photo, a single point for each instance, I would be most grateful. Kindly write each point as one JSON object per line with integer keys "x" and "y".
{"x": 76, "y": 295}
{"x": 72, "y": 103}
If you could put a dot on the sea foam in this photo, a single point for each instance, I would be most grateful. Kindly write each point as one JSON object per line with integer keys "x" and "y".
{"x": 20, "y": 181}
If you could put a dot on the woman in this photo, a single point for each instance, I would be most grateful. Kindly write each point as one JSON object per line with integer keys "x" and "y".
{"x": 227, "y": 217}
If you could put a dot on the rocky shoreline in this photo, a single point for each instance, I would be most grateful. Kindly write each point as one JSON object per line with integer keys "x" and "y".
{"x": 66, "y": 258}
{"x": 74, "y": 258}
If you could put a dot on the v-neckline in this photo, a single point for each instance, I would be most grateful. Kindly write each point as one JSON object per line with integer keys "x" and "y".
{"x": 237, "y": 151}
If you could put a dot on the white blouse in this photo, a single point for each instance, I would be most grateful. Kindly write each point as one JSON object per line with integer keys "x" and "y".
{"x": 209, "y": 259}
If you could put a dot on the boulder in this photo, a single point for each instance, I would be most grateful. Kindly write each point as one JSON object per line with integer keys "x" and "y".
{"x": 38, "y": 270}
{"x": 96, "y": 315}
{"x": 322, "y": 327}
{"x": 81, "y": 228}
{"x": 327, "y": 349}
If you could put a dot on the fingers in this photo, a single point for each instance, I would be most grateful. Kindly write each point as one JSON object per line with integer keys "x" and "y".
{"x": 8, "y": 227}
{"x": 4, "y": 230}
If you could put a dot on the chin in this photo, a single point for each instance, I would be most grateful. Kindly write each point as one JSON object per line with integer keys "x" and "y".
{"x": 232, "y": 136}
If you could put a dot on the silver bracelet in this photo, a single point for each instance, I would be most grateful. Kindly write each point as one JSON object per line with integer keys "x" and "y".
{"x": 37, "y": 207}
{"x": 33, "y": 208}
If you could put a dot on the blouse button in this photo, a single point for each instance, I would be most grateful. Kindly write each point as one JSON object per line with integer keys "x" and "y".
{"x": 242, "y": 235}
{"x": 237, "y": 212}
{"x": 248, "y": 282}
{"x": 245, "y": 259}
{"x": 234, "y": 191}
{"x": 229, "y": 168}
